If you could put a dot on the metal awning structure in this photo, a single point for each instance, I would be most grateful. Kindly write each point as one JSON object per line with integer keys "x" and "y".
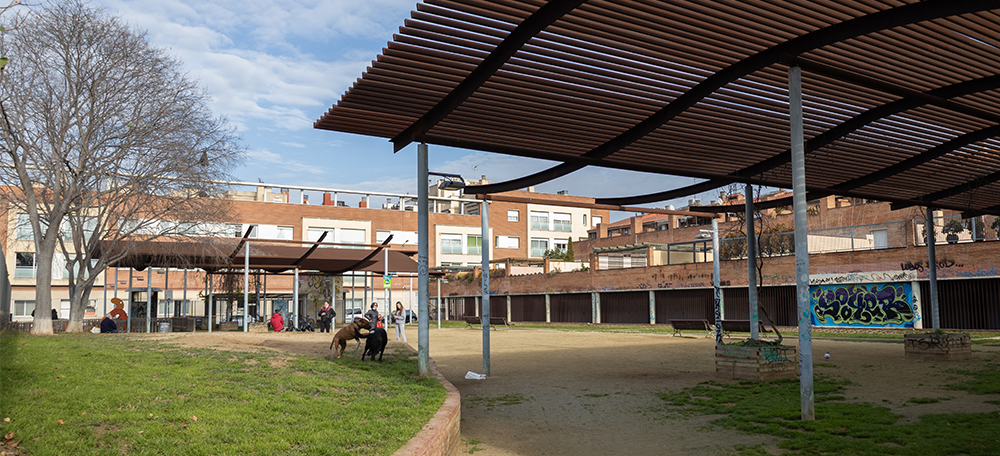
{"x": 216, "y": 254}
{"x": 902, "y": 98}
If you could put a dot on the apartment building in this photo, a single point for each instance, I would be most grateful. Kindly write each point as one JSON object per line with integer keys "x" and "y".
{"x": 289, "y": 213}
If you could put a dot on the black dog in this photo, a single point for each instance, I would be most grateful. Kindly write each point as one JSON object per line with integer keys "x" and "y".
{"x": 375, "y": 343}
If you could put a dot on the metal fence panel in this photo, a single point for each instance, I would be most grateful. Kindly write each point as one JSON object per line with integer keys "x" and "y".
{"x": 625, "y": 307}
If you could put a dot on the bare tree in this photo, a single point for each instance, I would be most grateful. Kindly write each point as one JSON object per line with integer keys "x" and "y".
{"x": 771, "y": 238}
{"x": 105, "y": 141}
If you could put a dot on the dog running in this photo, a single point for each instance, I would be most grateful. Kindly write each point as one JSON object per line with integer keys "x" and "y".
{"x": 349, "y": 332}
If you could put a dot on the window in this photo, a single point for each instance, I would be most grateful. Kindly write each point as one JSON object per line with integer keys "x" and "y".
{"x": 562, "y": 222}
{"x": 597, "y": 220}
{"x": 880, "y": 238}
{"x": 314, "y": 234}
{"x": 584, "y": 219}
{"x": 285, "y": 232}
{"x": 513, "y": 216}
{"x": 451, "y": 243}
{"x": 234, "y": 230}
{"x": 24, "y": 266}
{"x": 24, "y": 227}
{"x": 539, "y": 246}
{"x": 560, "y": 244}
{"x": 23, "y": 308}
{"x": 89, "y": 225}
{"x": 475, "y": 244}
{"x": 253, "y": 231}
{"x": 352, "y": 236}
{"x": 398, "y": 237}
{"x": 508, "y": 242}
{"x": 540, "y": 221}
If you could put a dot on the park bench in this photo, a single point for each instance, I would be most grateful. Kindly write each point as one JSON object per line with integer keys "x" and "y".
{"x": 494, "y": 322}
{"x": 691, "y": 324}
{"x": 743, "y": 326}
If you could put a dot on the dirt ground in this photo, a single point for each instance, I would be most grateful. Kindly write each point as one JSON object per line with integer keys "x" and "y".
{"x": 554, "y": 393}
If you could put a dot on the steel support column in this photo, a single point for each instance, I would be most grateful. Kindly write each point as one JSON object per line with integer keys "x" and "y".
{"x": 484, "y": 212}
{"x": 246, "y": 286}
{"x": 931, "y": 239}
{"x": 423, "y": 238}
{"x": 801, "y": 244}
{"x": 149, "y": 298}
{"x": 716, "y": 282}
{"x": 752, "y": 263}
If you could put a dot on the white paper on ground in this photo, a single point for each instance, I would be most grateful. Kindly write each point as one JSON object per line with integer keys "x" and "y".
{"x": 474, "y": 376}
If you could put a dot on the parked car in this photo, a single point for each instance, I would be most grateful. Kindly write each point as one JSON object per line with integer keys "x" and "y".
{"x": 411, "y": 316}
{"x": 351, "y": 314}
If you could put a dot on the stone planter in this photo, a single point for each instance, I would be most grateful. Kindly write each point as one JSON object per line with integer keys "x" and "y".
{"x": 943, "y": 347}
{"x": 759, "y": 364}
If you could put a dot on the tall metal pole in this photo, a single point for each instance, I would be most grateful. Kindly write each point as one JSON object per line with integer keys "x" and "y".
{"x": 105, "y": 292}
{"x": 149, "y": 297}
{"x": 423, "y": 237}
{"x": 716, "y": 283}
{"x": 185, "y": 296}
{"x": 387, "y": 280}
{"x": 485, "y": 317}
{"x": 439, "y": 302}
{"x": 931, "y": 238}
{"x": 752, "y": 263}
{"x": 295, "y": 300}
{"x": 246, "y": 286}
{"x": 131, "y": 305}
{"x": 801, "y": 244}
{"x": 211, "y": 304}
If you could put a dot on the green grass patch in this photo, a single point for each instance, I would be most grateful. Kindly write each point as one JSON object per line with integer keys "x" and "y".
{"x": 112, "y": 395}
{"x": 491, "y": 402}
{"x": 985, "y": 380}
{"x": 840, "y": 428}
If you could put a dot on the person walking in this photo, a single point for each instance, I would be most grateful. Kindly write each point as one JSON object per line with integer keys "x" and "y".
{"x": 326, "y": 314}
{"x": 372, "y": 316}
{"x": 400, "y": 322}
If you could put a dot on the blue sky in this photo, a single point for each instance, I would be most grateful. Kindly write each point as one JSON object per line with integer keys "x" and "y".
{"x": 273, "y": 68}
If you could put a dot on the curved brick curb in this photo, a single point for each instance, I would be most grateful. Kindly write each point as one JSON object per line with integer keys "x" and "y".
{"x": 441, "y": 435}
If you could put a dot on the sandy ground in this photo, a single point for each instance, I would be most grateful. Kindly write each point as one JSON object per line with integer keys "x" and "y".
{"x": 555, "y": 393}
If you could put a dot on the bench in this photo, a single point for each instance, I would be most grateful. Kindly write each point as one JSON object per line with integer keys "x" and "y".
{"x": 731, "y": 326}
{"x": 494, "y": 322}
{"x": 691, "y": 324}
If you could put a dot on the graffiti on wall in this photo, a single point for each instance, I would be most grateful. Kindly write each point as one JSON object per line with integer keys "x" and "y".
{"x": 863, "y": 305}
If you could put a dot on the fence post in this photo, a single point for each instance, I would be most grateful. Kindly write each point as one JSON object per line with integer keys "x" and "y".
{"x": 548, "y": 308}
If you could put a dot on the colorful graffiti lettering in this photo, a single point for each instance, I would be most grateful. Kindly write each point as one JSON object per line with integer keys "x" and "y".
{"x": 886, "y": 304}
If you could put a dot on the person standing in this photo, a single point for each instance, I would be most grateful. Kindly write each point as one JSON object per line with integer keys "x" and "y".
{"x": 400, "y": 321}
{"x": 326, "y": 314}
{"x": 372, "y": 316}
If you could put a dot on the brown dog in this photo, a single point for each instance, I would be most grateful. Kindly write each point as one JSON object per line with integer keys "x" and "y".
{"x": 349, "y": 332}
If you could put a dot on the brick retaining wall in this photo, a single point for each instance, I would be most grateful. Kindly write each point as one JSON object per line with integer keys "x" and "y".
{"x": 442, "y": 434}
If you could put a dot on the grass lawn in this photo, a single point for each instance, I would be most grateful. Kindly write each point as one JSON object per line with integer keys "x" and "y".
{"x": 843, "y": 428}
{"x": 121, "y": 394}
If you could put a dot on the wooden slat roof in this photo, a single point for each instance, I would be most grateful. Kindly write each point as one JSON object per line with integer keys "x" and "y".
{"x": 902, "y": 98}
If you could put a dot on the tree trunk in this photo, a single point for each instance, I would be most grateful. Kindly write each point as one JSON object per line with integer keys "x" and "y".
{"x": 78, "y": 308}
{"x": 43, "y": 287}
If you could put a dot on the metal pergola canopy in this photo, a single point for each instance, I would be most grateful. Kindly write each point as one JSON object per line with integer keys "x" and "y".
{"x": 902, "y": 98}
{"x": 217, "y": 254}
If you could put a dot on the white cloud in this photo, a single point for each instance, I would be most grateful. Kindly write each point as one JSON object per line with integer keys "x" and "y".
{"x": 276, "y": 165}
{"x": 276, "y": 62}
